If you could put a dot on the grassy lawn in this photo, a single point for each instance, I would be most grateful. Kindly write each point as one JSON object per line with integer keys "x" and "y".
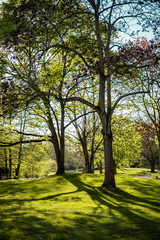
{"x": 74, "y": 207}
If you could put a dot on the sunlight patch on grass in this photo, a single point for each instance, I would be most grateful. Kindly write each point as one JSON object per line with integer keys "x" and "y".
{"x": 74, "y": 206}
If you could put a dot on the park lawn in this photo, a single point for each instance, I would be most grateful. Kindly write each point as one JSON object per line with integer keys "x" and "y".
{"x": 73, "y": 206}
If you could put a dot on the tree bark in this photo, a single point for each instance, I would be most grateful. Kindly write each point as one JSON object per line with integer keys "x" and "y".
{"x": 60, "y": 155}
{"x": 10, "y": 163}
{"x": 85, "y": 152}
{"x": 152, "y": 167}
{"x": 17, "y": 170}
{"x": 99, "y": 165}
{"x": 159, "y": 152}
{"x": 105, "y": 115}
{"x": 57, "y": 138}
{"x": 109, "y": 181}
{"x": 6, "y": 163}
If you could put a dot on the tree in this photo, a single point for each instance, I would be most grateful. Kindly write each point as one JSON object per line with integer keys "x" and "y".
{"x": 35, "y": 68}
{"x": 127, "y": 142}
{"x": 150, "y": 102}
{"x": 50, "y": 70}
{"x": 73, "y": 156}
{"x": 87, "y": 128}
{"x": 107, "y": 64}
{"x": 150, "y": 147}
{"x": 96, "y": 49}
{"x": 36, "y": 160}
{"x": 87, "y": 125}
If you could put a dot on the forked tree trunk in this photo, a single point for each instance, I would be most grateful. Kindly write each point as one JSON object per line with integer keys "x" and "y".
{"x": 60, "y": 147}
{"x": 105, "y": 115}
{"x": 89, "y": 165}
{"x": 57, "y": 138}
{"x": 89, "y": 160}
{"x": 59, "y": 158}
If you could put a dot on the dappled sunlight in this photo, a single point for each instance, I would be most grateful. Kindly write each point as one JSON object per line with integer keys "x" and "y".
{"x": 73, "y": 206}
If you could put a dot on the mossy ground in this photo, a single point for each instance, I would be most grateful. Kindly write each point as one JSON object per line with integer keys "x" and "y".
{"x": 73, "y": 206}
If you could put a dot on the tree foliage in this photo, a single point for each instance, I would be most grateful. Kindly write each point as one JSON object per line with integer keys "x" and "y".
{"x": 127, "y": 143}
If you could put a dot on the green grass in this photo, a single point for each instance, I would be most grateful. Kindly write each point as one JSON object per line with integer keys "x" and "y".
{"x": 74, "y": 207}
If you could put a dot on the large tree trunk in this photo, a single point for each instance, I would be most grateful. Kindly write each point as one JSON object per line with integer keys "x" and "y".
{"x": 89, "y": 166}
{"x": 57, "y": 138}
{"x": 59, "y": 152}
{"x": 59, "y": 155}
{"x": 91, "y": 163}
{"x": 60, "y": 166}
{"x": 109, "y": 180}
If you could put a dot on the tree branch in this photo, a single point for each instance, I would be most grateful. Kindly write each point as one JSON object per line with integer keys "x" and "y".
{"x": 70, "y": 49}
{"x": 126, "y": 95}
{"x": 5, "y": 144}
{"x": 78, "y": 118}
{"x": 73, "y": 99}
{"x": 29, "y": 134}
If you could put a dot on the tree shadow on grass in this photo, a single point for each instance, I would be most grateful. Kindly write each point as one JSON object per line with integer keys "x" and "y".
{"x": 117, "y": 215}
{"x": 126, "y": 206}
{"x": 99, "y": 195}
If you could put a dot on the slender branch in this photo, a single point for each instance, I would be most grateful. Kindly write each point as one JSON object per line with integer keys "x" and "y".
{"x": 5, "y": 144}
{"x": 149, "y": 115}
{"x": 32, "y": 97}
{"x": 78, "y": 118}
{"x": 127, "y": 16}
{"x": 30, "y": 134}
{"x": 26, "y": 134}
{"x": 95, "y": 150}
{"x": 126, "y": 95}
{"x": 70, "y": 49}
{"x": 117, "y": 5}
{"x": 56, "y": 119}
